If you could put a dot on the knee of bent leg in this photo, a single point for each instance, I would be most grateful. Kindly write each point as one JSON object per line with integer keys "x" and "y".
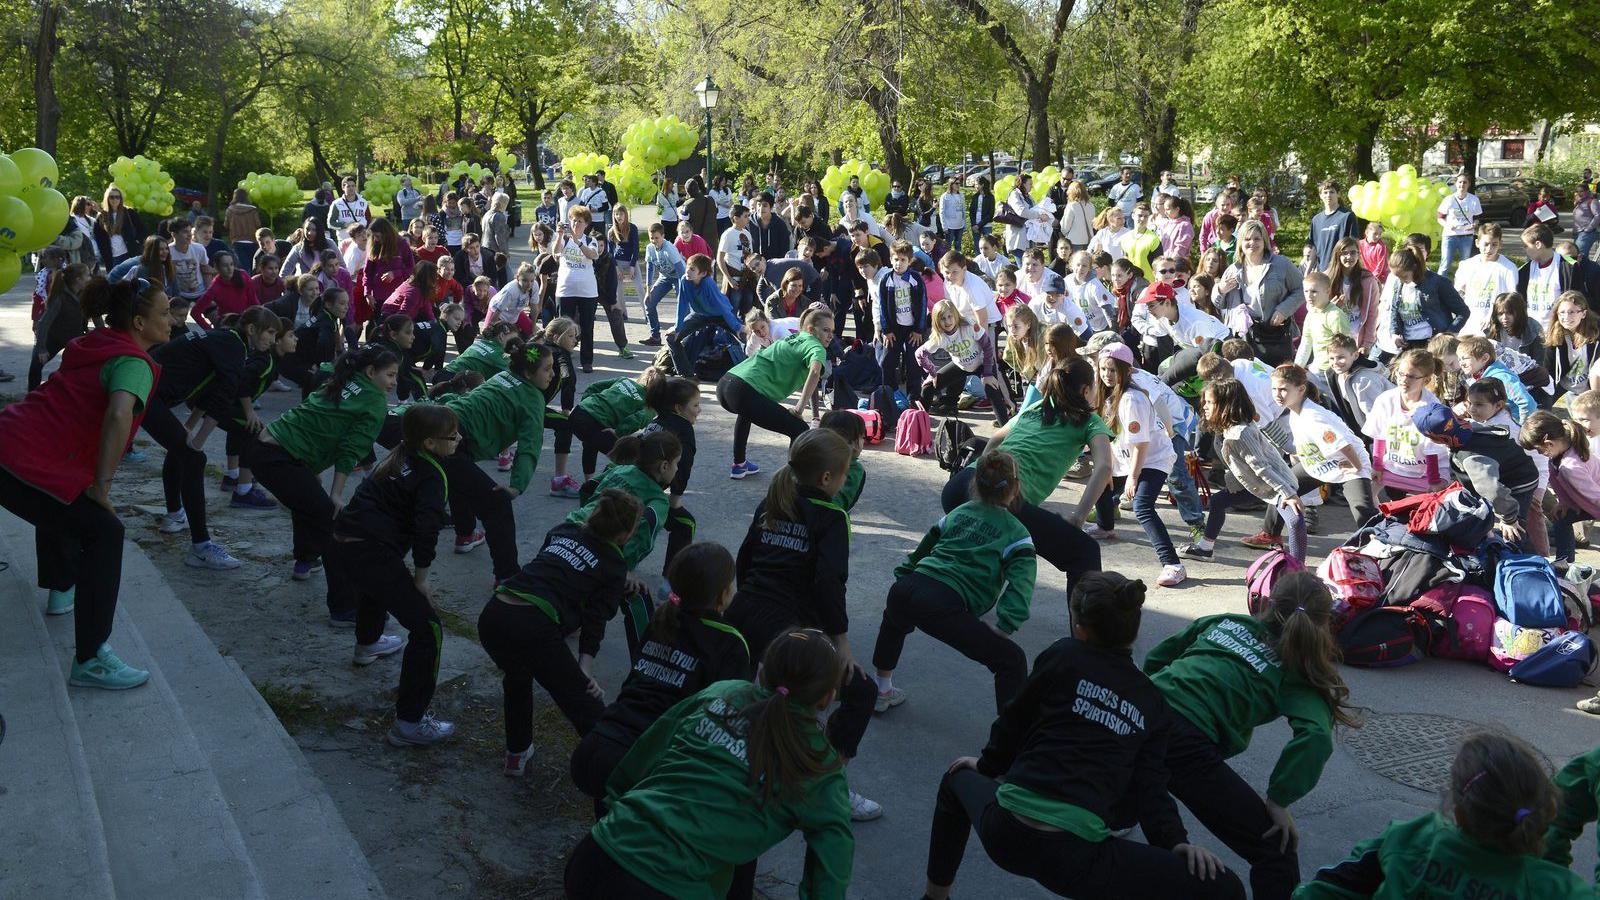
{"x": 1012, "y": 658}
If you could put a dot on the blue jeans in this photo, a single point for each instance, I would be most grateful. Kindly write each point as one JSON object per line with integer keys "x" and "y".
{"x": 1144, "y": 509}
{"x": 1585, "y": 241}
{"x": 1182, "y": 484}
{"x": 1456, "y": 248}
{"x": 952, "y": 238}
{"x": 1562, "y": 539}
{"x": 658, "y": 292}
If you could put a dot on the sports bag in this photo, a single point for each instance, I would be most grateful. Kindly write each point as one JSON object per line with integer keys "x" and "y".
{"x": 913, "y": 436}
{"x": 1454, "y": 514}
{"x": 1470, "y": 611}
{"x": 1263, "y": 574}
{"x": 1527, "y": 592}
{"x": 1385, "y": 637}
{"x": 874, "y": 423}
{"x": 950, "y": 440}
{"x": 883, "y": 403}
{"x": 1513, "y": 644}
{"x": 1354, "y": 580}
{"x": 1563, "y": 662}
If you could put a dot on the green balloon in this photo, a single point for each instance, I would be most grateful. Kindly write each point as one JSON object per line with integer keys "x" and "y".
{"x": 10, "y": 270}
{"x": 38, "y": 167}
{"x": 10, "y": 176}
{"x": 49, "y": 209}
{"x": 16, "y": 225}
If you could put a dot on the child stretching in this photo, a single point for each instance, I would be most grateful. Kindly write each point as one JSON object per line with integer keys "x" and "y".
{"x": 751, "y": 763}
{"x": 1224, "y": 676}
{"x": 971, "y": 353}
{"x": 676, "y": 403}
{"x": 400, "y": 508}
{"x": 1254, "y": 468}
{"x": 755, "y": 389}
{"x": 793, "y": 566}
{"x": 1574, "y": 475}
{"x": 1486, "y": 404}
{"x": 608, "y": 409}
{"x": 1403, "y": 461}
{"x": 1486, "y": 843}
{"x": 1326, "y": 452}
{"x": 1144, "y": 458}
{"x": 573, "y": 584}
{"x": 687, "y": 648}
{"x": 853, "y": 429}
{"x": 976, "y": 558}
{"x": 486, "y": 355}
{"x": 560, "y": 334}
{"x": 1077, "y": 756}
{"x": 234, "y": 411}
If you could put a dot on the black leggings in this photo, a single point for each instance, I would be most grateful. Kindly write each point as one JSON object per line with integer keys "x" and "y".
{"x": 918, "y": 601}
{"x": 948, "y": 383}
{"x": 1060, "y": 861}
{"x": 593, "y": 875}
{"x": 1229, "y": 808}
{"x": 310, "y": 509}
{"x": 384, "y": 586}
{"x": 183, "y": 472}
{"x": 596, "y": 438}
{"x": 527, "y": 646}
{"x": 76, "y": 544}
{"x": 1058, "y": 541}
{"x": 581, "y": 310}
{"x": 593, "y": 762}
{"x": 750, "y": 406}
{"x": 475, "y": 497}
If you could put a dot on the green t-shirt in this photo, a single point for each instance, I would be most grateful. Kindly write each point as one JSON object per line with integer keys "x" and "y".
{"x": 483, "y": 356}
{"x": 983, "y": 553}
{"x": 854, "y": 480}
{"x": 1043, "y": 452}
{"x": 1140, "y": 246}
{"x": 321, "y": 433}
{"x": 129, "y": 374}
{"x": 781, "y": 368}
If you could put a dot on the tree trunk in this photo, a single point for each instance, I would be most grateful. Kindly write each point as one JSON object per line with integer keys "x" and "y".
{"x": 219, "y": 145}
{"x": 886, "y": 107}
{"x": 530, "y": 136}
{"x": 1039, "y": 112}
{"x": 1361, "y": 154}
{"x": 1544, "y": 141}
{"x": 47, "y": 110}
{"x": 1163, "y": 144}
{"x": 1467, "y": 148}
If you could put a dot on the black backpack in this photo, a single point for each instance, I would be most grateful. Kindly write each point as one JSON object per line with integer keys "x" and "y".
{"x": 1388, "y": 636}
{"x": 952, "y": 444}
{"x": 882, "y": 402}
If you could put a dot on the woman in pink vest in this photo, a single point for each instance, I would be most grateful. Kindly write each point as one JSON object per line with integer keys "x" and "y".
{"x": 59, "y": 448}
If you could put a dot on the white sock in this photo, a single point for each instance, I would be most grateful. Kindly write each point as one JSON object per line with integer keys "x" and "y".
{"x": 243, "y": 487}
{"x": 231, "y": 473}
{"x": 885, "y": 682}
{"x": 1205, "y": 544}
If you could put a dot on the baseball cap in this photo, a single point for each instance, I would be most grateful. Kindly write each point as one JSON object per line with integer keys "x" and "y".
{"x": 1159, "y": 290}
{"x": 1118, "y": 351}
{"x": 1440, "y": 424}
{"x": 1099, "y": 342}
{"x": 1053, "y": 283}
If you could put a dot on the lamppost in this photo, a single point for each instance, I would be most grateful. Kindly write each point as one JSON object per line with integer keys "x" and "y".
{"x": 708, "y": 93}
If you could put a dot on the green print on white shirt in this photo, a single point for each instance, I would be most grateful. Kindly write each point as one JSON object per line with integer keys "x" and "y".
{"x": 1316, "y": 462}
{"x": 964, "y": 349}
{"x": 902, "y": 302}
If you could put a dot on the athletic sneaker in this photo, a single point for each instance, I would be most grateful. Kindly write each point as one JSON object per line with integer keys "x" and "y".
{"x": 1197, "y": 531}
{"x": 342, "y": 619}
{"x": 1081, "y": 468}
{"x": 107, "y": 672}
{"x": 255, "y": 498}
{"x": 281, "y": 386}
{"x": 367, "y": 654}
{"x": 174, "y": 522}
{"x": 653, "y": 340}
{"x": 517, "y": 763}
{"x": 1195, "y": 551}
{"x": 210, "y": 555}
{"x": 503, "y": 461}
{"x": 740, "y": 470}
{"x": 134, "y": 455}
{"x": 862, "y": 809}
{"x": 966, "y": 401}
{"x": 1313, "y": 523}
{"x": 565, "y": 486}
{"x": 304, "y": 570}
{"x": 61, "y": 602}
{"x": 1125, "y": 504}
{"x": 420, "y": 734}
{"x": 469, "y": 543}
{"x": 889, "y": 699}
{"x": 1262, "y": 541}
{"x": 1590, "y": 706}
{"x": 1171, "y": 576}
{"x": 229, "y": 482}
{"x": 1100, "y": 534}
{"x": 625, "y": 353}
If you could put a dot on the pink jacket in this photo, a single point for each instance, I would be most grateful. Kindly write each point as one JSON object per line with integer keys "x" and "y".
{"x": 372, "y": 283}
{"x": 1577, "y": 481}
{"x": 408, "y": 301}
{"x": 227, "y": 298}
{"x": 1177, "y": 237}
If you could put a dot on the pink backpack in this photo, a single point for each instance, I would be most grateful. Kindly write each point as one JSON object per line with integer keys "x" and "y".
{"x": 873, "y": 420}
{"x": 1354, "y": 580}
{"x": 1470, "y": 609}
{"x": 913, "y": 435}
{"x": 1264, "y": 573}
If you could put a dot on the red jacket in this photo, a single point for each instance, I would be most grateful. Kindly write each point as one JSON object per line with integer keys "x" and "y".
{"x": 408, "y": 301}
{"x": 227, "y": 298}
{"x": 51, "y": 438}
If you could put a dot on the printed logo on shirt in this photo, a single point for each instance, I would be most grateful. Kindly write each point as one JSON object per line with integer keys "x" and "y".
{"x": 711, "y": 730}
{"x": 1103, "y": 706}
{"x": 1236, "y": 638}
{"x": 572, "y": 553}
{"x": 1329, "y": 437}
{"x": 1133, "y": 427}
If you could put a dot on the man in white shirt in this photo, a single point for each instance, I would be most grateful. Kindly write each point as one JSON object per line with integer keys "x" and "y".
{"x": 191, "y": 265}
{"x": 1167, "y": 187}
{"x": 1126, "y": 192}
{"x": 973, "y": 298}
{"x": 732, "y": 248}
{"x": 348, "y": 209}
{"x": 1484, "y": 277}
{"x": 1459, "y": 212}
{"x": 593, "y": 196}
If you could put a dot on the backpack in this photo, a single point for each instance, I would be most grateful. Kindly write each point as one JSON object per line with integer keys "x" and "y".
{"x": 952, "y": 444}
{"x": 1263, "y": 574}
{"x": 1385, "y": 637}
{"x": 1563, "y": 662}
{"x": 874, "y": 423}
{"x": 1527, "y": 592}
{"x": 883, "y": 403}
{"x": 913, "y": 436}
{"x": 1354, "y": 580}
{"x": 1455, "y": 514}
{"x": 1512, "y": 644}
{"x": 1470, "y": 610}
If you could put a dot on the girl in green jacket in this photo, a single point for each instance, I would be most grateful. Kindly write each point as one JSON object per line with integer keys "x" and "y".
{"x": 721, "y": 778}
{"x": 1226, "y": 675}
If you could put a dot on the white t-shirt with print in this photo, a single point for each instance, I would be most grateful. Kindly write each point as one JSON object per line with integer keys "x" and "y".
{"x": 1405, "y": 449}
{"x": 575, "y": 277}
{"x": 186, "y": 265}
{"x": 1256, "y": 376}
{"x": 1479, "y": 281}
{"x": 1173, "y": 412}
{"x": 1460, "y": 214}
{"x": 1063, "y": 313}
{"x": 1320, "y": 437}
{"x": 344, "y": 212}
{"x": 1093, "y": 299}
{"x": 1137, "y": 424}
{"x": 902, "y": 301}
{"x": 1543, "y": 290}
{"x": 732, "y": 246}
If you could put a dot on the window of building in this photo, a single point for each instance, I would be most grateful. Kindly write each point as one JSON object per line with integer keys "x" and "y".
{"x": 1512, "y": 149}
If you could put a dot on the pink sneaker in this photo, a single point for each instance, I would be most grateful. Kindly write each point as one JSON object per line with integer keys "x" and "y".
{"x": 503, "y": 461}
{"x": 1100, "y": 534}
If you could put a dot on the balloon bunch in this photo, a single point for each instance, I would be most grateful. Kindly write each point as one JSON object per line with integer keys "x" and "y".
{"x": 1043, "y": 180}
{"x": 272, "y": 194}
{"x": 462, "y": 167}
{"x": 582, "y": 164}
{"x": 659, "y": 142}
{"x": 506, "y": 160}
{"x": 143, "y": 183}
{"x": 380, "y": 188}
{"x": 631, "y": 180}
{"x": 1401, "y": 201}
{"x": 873, "y": 181}
{"x": 32, "y": 211}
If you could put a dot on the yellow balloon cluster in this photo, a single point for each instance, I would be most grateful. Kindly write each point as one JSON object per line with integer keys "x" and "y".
{"x": 32, "y": 211}
{"x": 144, "y": 184}
{"x": 380, "y": 188}
{"x": 631, "y": 179}
{"x": 1401, "y": 201}
{"x": 272, "y": 194}
{"x": 874, "y": 182}
{"x": 1043, "y": 180}
{"x": 582, "y": 164}
{"x": 462, "y": 167}
{"x": 506, "y": 160}
{"x": 659, "y": 142}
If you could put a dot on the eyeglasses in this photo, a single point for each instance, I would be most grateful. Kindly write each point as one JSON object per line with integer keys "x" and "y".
{"x": 452, "y": 438}
{"x": 1350, "y": 253}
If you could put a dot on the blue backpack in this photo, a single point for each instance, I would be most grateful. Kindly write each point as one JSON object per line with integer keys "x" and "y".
{"x": 1564, "y": 662}
{"x": 1527, "y": 593}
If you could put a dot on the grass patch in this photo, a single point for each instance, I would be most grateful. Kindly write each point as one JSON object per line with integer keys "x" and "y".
{"x": 300, "y": 709}
{"x": 458, "y": 624}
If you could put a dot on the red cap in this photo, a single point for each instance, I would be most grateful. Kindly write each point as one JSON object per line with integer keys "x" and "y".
{"x": 1159, "y": 290}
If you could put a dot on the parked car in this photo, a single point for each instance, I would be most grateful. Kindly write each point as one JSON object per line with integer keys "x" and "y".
{"x": 1104, "y": 182}
{"x": 1531, "y": 186}
{"x": 1000, "y": 171}
{"x": 1503, "y": 202}
{"x": 1207, "y": 194}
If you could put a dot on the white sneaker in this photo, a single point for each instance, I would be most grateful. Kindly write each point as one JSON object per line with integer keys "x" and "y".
{"x": 1171, "y": 576}
{"x": 1100, "y": 534}
{"x": 174, "y": 522}
{"x": 888, "y": 699}
{"x": 517, "y": 763}
{"x": 281, "y": 386}
{"x": 862, "y": 809}
{"x": 367, "y": 654}
{"x": 211, "y": 555}
{"x": 420, "y": 734}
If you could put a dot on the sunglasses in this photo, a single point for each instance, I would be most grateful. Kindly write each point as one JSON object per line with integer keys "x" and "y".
{"x": 1166, "y": 271}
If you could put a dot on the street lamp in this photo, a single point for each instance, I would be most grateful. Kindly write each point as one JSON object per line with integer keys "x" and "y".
{"x": 708, "y": 93}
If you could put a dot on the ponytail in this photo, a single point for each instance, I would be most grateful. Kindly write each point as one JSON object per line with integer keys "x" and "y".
{"x": 459, "y": 383}
{"x": 1500, "y": 794}
{"x": 812, "y": 455}
{"x": 497, "y": 330}
{"x": 665, "y": 395}
{"x": 614, "y": 516}
{"x": 524, "y": 356}
{"x": 118, "y": 304}
{"x": 1291, "y": 374}
{"x": 1544, "y": 426}
{"x": 1297, "y": 618}
{"x": 700, "y": 575}
{"x": 352, "y": 363}
{"x": 801, "y": 669}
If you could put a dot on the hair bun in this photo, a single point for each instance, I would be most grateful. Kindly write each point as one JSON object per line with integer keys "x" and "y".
{"x": 1132, "y": 592}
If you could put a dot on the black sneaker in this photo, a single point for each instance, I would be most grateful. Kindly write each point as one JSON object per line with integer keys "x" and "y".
{"x": 1195, "y": 551}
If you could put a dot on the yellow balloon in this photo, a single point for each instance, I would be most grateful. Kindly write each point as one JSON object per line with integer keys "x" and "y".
{"x": 16, "y": 225}
{"x": 10, "y": 270}
{"x": 37, "y": 167}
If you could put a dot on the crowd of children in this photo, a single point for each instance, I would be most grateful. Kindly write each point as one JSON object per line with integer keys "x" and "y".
{"x": 1248, "y": 383}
